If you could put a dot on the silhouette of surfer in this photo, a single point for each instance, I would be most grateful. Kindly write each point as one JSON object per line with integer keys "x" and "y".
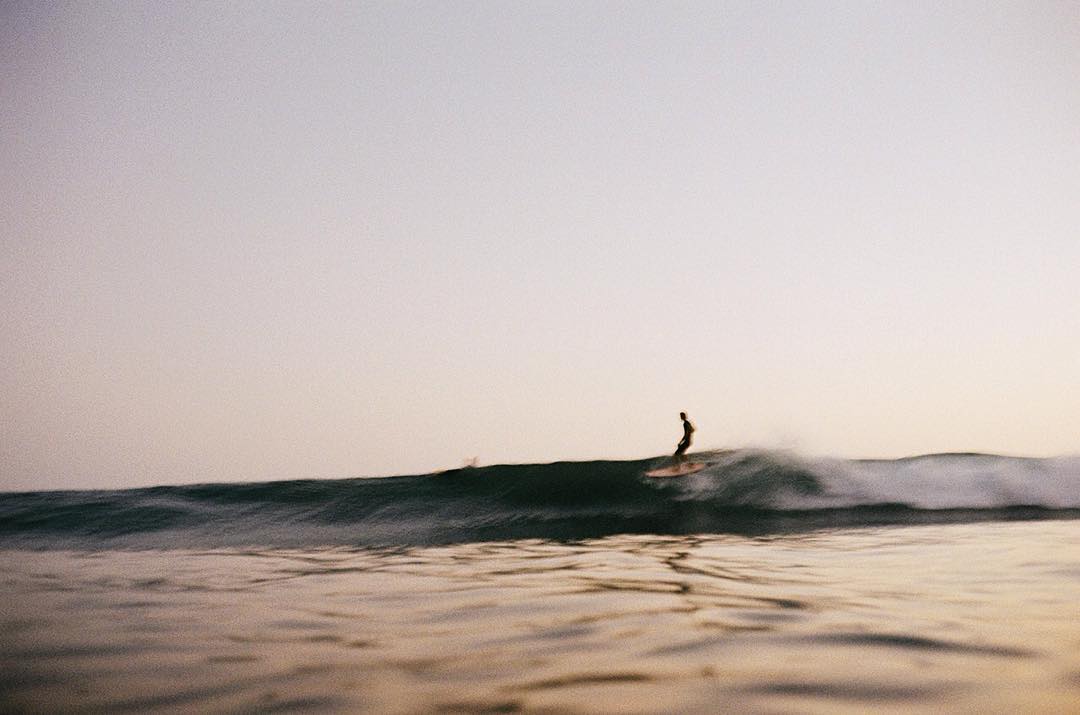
{"x": 684, "y": 444}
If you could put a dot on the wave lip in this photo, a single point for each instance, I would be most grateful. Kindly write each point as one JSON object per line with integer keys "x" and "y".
{"x": 742, "y": 491}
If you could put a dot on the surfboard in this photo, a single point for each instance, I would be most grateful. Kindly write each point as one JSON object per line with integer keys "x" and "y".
{"x": 677, "y": 471}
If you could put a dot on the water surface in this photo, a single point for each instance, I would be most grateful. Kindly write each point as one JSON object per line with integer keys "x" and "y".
{"x": 964, "y": 617}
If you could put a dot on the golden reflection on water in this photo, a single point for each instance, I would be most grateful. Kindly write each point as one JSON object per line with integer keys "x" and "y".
{"x": 967, "y": 618}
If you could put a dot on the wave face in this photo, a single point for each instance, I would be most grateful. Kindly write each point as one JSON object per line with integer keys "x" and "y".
{"x": 743, "y": 491}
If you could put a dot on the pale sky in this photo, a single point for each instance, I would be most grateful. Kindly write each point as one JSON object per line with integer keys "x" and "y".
{"x": 245, "y": 241}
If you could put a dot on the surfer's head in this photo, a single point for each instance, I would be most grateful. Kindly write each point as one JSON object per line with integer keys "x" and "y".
{"x": 682, "y": 415}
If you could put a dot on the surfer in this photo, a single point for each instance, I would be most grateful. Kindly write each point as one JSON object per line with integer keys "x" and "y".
{"x": 684, "y": 444}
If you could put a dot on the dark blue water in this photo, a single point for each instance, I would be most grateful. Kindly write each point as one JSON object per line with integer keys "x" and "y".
{"x": 743, "y": 492}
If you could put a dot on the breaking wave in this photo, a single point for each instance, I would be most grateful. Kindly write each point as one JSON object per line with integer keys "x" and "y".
{"x": 742, "y": 491}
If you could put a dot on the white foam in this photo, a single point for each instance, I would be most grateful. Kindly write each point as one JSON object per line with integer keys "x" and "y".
{"x": 943, "y": 481}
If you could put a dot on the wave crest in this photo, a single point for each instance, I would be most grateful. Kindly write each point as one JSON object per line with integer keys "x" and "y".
{"x": 745, "y": 491}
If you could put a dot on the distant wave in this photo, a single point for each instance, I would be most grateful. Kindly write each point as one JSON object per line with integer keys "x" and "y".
{"x": 743, "y": 491}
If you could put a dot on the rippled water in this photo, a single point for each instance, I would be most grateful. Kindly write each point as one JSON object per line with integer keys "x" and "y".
{"x": 979, "y": 617}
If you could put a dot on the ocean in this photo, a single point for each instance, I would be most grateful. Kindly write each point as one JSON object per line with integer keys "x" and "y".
{"x": 770, "y": 582}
